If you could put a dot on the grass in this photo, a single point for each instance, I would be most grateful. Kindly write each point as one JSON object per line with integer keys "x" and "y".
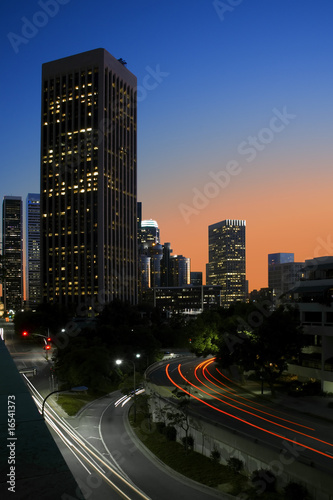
{"x": 71, "y": 403}
{"x": 191, "y": 464}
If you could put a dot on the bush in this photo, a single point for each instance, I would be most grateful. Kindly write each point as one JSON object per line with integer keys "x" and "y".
{"x": 264, "y": 478}
{"x": 235, "y": 464}
{"x": 295, "y": 491}
{"x": 215, "y": 455}
{"x": 170, "y": 433}
{"x": 160, "y": 427}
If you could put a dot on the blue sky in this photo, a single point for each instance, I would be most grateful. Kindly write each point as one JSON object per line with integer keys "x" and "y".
{"x": 222, "y": 75}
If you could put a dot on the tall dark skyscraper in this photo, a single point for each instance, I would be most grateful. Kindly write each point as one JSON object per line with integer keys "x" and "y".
{"x": 12, "y": 243}
{"x": 88, "y": 180}
{"x": 226, "y": 265}
{"x": 33, "y": 289}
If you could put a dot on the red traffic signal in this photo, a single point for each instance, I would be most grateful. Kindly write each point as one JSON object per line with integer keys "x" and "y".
{"x": 47, "y": 347}
{"x": 25, "y": 333}
{"x": 49, "y": 339}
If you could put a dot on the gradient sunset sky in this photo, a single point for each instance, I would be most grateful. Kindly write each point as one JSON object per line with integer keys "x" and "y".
{"x": 235, "y": 124}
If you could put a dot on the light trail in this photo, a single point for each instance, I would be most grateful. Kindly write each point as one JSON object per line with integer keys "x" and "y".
{"x": 244, "y": 404}
{"x": 246, "y": 422}
{"x": 86, "y": 451}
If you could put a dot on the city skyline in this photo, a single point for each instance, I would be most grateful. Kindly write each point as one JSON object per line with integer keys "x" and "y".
{"x": 233, "y": 114}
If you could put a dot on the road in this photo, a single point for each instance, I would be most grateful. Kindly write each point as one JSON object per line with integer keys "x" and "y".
{"x": 98, "y": 445}
{"x": 218, "y": 399}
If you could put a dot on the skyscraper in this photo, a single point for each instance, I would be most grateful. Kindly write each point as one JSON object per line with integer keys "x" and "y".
{"x": 226, "y": 265}
{"x": 33, "y": 288}
{"x": 12, "y": 241}
{"x": 88, "y": 180}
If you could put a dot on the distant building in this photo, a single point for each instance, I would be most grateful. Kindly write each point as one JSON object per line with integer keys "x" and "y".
{"x": 149, "y": 232}
{"x": 266, "y": 295}
{"x": 226, "y": 266}
{"x": 12, "y": 243}
{"x": 283, "y": 272}
{"x": 196, "y": 278}
{"x": 180, "y": 269}
{"x": 89, "y": 180}
{"x": 187, "y": 299}
{"x": 33, "y": 277}
{"x": 280, "y": 258}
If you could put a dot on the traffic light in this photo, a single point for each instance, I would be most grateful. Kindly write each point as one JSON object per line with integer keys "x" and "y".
{"x": 24, "y": 333}
{"x": 47, "y": 347}
{"x": 49, "y": 339}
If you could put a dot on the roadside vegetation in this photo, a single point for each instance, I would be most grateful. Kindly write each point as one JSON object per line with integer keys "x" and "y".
{"x": 161, "y": 439}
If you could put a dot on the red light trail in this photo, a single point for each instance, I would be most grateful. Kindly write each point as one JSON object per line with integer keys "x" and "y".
{"x": 203, "y": 367}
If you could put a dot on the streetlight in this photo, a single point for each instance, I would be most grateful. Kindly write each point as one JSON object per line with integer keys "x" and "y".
{"x": 73, "y": 389}
{"x": 118, "y": 362}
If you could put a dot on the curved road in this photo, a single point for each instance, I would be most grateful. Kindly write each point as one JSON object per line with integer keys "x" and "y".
{"x": 105, "y": 426}
{"x": 218, "y": 399}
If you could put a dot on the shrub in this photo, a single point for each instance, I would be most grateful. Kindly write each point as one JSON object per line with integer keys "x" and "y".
{"x": 170, "y": 433}
{"x": 295, "y": 490}
{"x": 264, "y": 478}
{"x": 235, "y": 464}
{"x": 160, "y": 427}
{"x": 215, "y": 455}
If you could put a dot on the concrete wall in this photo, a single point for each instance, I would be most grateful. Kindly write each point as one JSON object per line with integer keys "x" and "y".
{"x": 287, "y": 462}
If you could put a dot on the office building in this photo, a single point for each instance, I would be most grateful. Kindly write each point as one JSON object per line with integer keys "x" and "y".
{"x": 180, "y": 269}
{"x": 88, "y": 180}
{"x": 196, "y": 278}
{"x": 226, "y": 266}
{"x": 12, "y": 251}
{"x": 149, "y": 232}
{"x": 189, "y": 299}
{"x": 283, "y": 272}
{"x": 33, "y": 283}
{"x": 313, "y": 297}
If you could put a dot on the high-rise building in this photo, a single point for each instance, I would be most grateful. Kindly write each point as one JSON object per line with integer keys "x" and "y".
{"x": 12, "y": 251}
{"x": 88, "y": 180}
{"x": 196, "y": 278}
{"x": 33, "y": 284}
{"x": 226, "y": 266}
{"x": 180, "y": 268}
{"x": 149, "y": 232}
{"x": 283, "y": 272}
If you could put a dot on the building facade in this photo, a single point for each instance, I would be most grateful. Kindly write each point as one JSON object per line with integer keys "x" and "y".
{"x": 88, "y": 180}
{"x": 12, "y": 252}
{"x": 33, "y": 283}
{"x": 283, "y": 272}
{"x": 313, "y": 296}
{"x": 227, "y": 266}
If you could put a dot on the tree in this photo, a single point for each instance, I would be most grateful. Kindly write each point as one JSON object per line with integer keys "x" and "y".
{"x": 180, "y": 417}
{"x": 204, "y": 334}
{"x": 266, "y": 348}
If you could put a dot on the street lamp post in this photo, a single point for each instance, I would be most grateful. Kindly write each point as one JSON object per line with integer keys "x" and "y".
{"x": 73, "y": 389}
{"x": 118, "y": 362}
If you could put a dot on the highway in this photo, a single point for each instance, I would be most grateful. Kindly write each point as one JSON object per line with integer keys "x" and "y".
{"x": 216, "y": 398}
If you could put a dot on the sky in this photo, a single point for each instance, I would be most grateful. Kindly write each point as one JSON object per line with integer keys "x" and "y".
{"x": 234, "y": 113}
